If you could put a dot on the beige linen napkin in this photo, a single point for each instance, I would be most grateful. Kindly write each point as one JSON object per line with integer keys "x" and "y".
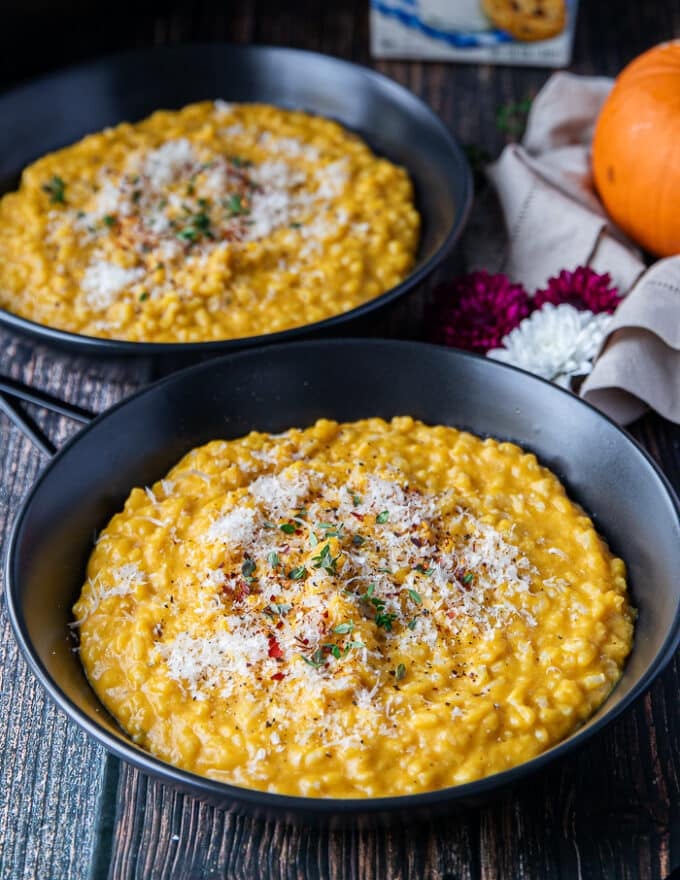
{"x": 543, "y": 216}
{"x": 640, "y": 364}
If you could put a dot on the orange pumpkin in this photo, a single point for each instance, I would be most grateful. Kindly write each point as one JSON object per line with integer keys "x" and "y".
{"x": 636, "y": 150}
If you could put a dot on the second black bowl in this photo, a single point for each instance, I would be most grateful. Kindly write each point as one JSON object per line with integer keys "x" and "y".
{"x": 632, "y": 505}
{"x": 59, "y": 109}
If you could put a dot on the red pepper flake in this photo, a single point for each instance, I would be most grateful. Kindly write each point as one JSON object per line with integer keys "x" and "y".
{"x": 242, "y": 589}
{"x": 275, "y": 649}
{"x": 278, "y": 676}
{"x": 359, "y": 516}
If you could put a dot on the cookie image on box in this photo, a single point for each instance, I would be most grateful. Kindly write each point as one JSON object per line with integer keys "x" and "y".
{"x": 528, "y": 20}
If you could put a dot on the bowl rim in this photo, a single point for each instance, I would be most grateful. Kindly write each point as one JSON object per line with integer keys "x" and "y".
{"x": 96, "y": 345}
{"x": 282, "y": 804}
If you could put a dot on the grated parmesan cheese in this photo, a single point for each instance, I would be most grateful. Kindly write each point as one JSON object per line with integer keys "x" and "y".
{"x": 122, "y": 581}
{"x": 200, "y": 662}
{"x": 280, "y": 494}
{"x": 238, "y": 526}
{"x": 102, "y": 282}
{"x": 165, "y": 164}
{"x": 223, "y": 106}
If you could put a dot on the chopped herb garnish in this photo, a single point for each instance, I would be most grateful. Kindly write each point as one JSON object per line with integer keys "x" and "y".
{"x": 358, "y": 540}
{"x": 277, "y": 609}
{"x": 423, "y": 570}
{"x": 56, "y": 189}
{"x": 313, "y": 540}
{"x": 356, "y": 500}
{"x": 325, "y": 560}
{"x": 110, "y": 220}
{"x": 295, "y": 225}
{"x": 188, "y": 233}
{"x": 273, "y": 559}
{"x": 334, "y": 650}
{"x": 201, "y": 221}
{"x": 136, "y": 195}
{"x": 385, "y": 620}
{"x": 248, "y": 568}
{"x": 143, "y": 296}
{"x": 343, "y": 629}
{"x": 412, "y": 623}
{"x": 234, "y": 206}
{"x": 199, "y": 224}
{"x": 350, "y": 645}
{"x": 400, "y": 672}
{"x": 415, "y": 595}
{"x": 267, "y": 524}
{"x": 288, "y": 528}
{"x": 240, "y": 162}
{"x": 382, "y": 517}
{"x": 317, "y": 658}
{"x": 298, "y": 573}
{"x": 468, "y": 578}
{"x": 330, "y": 529}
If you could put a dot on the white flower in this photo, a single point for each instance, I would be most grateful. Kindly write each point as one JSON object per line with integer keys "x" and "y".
{"x": 555, "y": 342}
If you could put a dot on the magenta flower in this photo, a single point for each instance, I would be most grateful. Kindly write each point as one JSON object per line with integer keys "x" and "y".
{"x": 476, "y": 311}
{"x": 583, "y": 289}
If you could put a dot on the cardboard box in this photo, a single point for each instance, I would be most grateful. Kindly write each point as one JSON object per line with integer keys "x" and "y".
{"x": 492, "y": 31}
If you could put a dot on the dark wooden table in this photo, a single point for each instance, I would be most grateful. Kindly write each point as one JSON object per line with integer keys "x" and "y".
{"x": 68, "y": 811}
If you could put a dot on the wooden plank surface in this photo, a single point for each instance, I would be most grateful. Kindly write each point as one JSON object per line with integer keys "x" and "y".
{"x": 52, "y": 774}
{"x": 69, "y": 813}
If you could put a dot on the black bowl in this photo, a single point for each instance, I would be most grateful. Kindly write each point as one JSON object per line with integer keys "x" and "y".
{"x": 136, "y": 442}
{"x": 59, "y": 109}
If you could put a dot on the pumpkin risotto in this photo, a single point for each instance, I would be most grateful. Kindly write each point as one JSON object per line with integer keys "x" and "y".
{"x": 360, "y": 609}
{"x": 217, "y": 221}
